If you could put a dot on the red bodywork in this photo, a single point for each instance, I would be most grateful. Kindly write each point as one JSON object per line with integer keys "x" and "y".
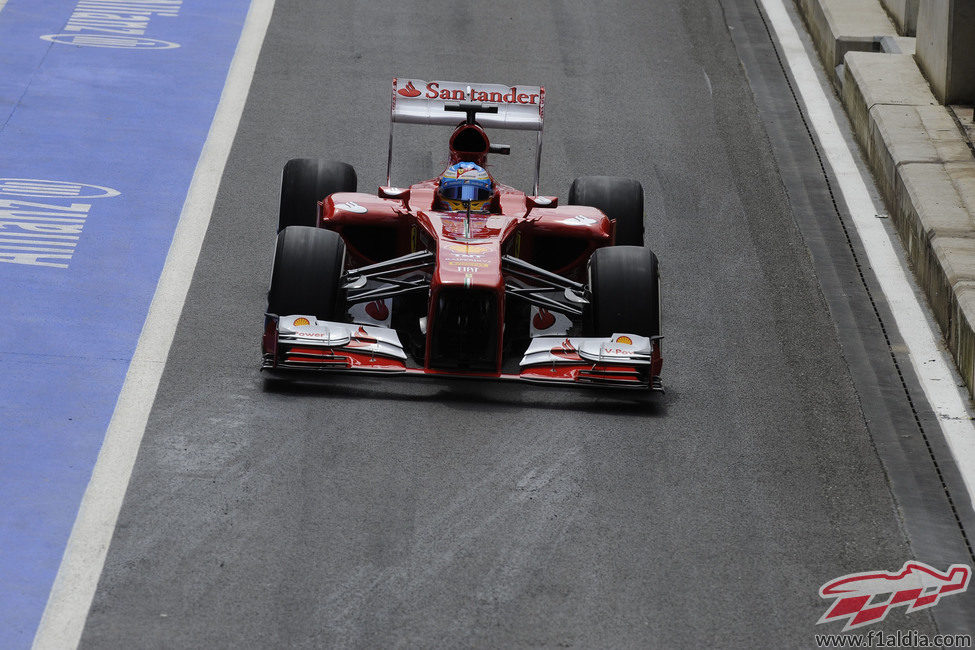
{"x": 468, "y": 257}
{"x": 469, "y": 260}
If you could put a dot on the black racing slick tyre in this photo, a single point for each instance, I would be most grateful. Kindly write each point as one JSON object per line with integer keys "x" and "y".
{"x": 305, "y": 276}
{"x": 624, "y": 286}
{"x": 305, "y": 182}
{"x": 619, "y": 198}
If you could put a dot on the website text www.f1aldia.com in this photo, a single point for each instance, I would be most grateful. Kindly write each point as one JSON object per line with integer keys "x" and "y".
{"x": 898, "y": 639}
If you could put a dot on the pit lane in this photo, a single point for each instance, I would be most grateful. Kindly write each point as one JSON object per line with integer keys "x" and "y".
{"x": 372, "y": 512}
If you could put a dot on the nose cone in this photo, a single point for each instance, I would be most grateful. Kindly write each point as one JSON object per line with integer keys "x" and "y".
{"x": 469, "y": 264}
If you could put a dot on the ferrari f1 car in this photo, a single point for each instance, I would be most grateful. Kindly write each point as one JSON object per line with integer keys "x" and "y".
{"x": 461, "y": 275}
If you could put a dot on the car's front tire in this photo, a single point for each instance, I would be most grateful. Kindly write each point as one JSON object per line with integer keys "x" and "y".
{"x": 308, "y": 263}
{"x": 624, "y": 287}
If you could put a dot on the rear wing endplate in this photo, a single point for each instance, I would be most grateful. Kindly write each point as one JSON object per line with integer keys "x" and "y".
{"x": 415, "y": 101}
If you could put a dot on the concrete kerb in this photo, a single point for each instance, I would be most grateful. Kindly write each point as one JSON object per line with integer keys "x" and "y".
{"x": 901, "y": 134}
{"x": 961, "y": 334}
{"x": 874, "y": 78}
{"x": 923, "y": 164}
{"x": 841, "y": 26}
{"x": 938, "y": 239}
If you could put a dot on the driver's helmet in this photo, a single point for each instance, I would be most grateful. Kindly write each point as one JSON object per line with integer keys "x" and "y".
{"x": 463, "y": 182}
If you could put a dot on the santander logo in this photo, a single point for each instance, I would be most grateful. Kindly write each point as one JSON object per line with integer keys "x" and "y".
{"x": 454, "y": 91}
{"x": 543, "y": 319}
{"x": 409, "y": 90}
{"x": 378, "y": 310}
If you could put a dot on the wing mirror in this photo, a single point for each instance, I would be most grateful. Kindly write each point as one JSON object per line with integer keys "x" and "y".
{"x": 541, "y": 201}
{"x": 401, "y": 193}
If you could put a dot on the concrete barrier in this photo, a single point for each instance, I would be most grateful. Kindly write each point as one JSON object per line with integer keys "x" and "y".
{"x": 946, "y": 48}
{"x": 925, "y": 171}
{"x": 923, "y": 164}
{"x": 841, "y": 26}
{"x": 904, "y": 15}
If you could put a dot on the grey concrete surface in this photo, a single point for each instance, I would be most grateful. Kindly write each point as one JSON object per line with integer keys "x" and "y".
{"x": 904, "y": 14}
{"x": 915, "y": 133}
{"x": 926, "y": 172}
{"x": 965, "y": 117}
{"x": 872, "y": 80}
{"x": 841, "y": 26}
{"x": 891, "y": 101}
{"x": 898, "y": 44}
{"x": 929, "y": 492}
{"x": 378, "y": 513}
{"x": 946, "y": 49}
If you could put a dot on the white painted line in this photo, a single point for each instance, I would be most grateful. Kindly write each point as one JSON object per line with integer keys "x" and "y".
{"x": 931, "y": 362}
{"x": 74, "y": 587}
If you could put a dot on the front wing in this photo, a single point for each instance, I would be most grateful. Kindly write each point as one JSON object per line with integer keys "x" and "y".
{"x": 302, "y": 342}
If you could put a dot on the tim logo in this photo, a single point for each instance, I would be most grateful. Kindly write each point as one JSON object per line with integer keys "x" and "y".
{"x": 865, "y": 598}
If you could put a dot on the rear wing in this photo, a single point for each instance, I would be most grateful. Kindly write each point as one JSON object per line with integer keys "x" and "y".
{"x": 498, "y": 106}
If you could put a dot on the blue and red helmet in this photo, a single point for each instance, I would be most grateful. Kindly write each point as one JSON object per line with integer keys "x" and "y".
{"x": 464, "y": 182}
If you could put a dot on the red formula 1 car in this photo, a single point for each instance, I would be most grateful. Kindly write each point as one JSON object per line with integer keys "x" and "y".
{"x": 461, "y": 275}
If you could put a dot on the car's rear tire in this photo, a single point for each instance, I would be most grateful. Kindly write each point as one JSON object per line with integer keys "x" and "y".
{"x": 624, "y": 286}
{"x": 305, "y": 276}
{"x": 305, "y": 182}
{"x": 619, "y": 198}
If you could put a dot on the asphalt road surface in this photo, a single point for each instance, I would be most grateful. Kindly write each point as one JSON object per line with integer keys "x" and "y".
{"x": 376, "y": 513}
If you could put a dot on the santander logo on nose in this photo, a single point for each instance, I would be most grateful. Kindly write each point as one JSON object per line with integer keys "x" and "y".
{"x": 865, "y": 598}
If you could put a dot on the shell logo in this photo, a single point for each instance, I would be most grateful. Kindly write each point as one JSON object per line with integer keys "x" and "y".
{"x": 625, "y": 340}
{"x": 301, "y": 321}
